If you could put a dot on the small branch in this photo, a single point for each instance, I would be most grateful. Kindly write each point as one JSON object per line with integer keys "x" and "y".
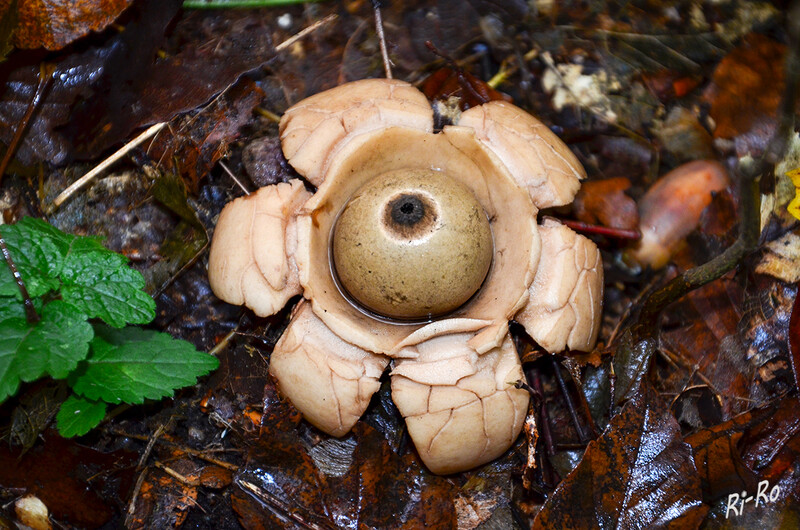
{"x": 30, "y": 312}
{"x": 129, "y": 515}
{"x": 302, "y": 33}
{"x": 232, "y": 176}
{"x": 387, "y": 63}
{"x": 45, "y": 78}
{"x": 105, "y": 164}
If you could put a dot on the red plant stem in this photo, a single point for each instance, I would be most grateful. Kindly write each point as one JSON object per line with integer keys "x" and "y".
{"x": 30, "y": 311}
{"x": 618, "y": 233}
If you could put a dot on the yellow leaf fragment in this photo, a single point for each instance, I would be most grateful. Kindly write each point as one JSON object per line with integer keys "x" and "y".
{"x": 794, "y": 206}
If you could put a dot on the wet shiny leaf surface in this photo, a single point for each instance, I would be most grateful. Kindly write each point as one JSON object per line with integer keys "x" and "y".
{"x": 639, "y": 473}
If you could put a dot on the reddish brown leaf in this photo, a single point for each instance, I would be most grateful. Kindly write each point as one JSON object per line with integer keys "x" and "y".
{"x": 605, "y": 202}
{"x": 638, "y": 474}
{"x": 755, "y": 452}
{"x": 746, "y": 90}
{"x": 383, "y": 490}
{"x": 471, "y": 91}
{"x": 717, "y": 457}
{"x": 201, "y": 139}
{"x": 53, "y": 24}
{"x": 215, "y": 477}
{"x": 702, "y": 338}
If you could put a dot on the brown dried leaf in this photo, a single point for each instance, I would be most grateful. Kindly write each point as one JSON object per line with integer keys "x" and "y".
{"x": 753, "y": 73}
{"x": 201, "y": 139}
{"x": 702, "y": 337}
{"x": 638, "y": 474}
{"x": 717, "y": 458}
{"x": 53, "y": 24}
{"x": 353, "y": 482}
{"x": 605, "y": 202}
{"x": 781, "y": 259}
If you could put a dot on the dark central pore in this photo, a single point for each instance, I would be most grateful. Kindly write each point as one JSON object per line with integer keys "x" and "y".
{"x": 407, "y": 210}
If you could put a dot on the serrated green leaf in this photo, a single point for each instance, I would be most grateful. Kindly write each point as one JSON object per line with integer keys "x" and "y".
{"x": 134, "y": 364}
{"x": 99, "y": 282}
{"x": 10, "y": 307}
{"x": 78, "y": 415}
{"x": 37, "y": 249}
{"x": 54, "y": 345}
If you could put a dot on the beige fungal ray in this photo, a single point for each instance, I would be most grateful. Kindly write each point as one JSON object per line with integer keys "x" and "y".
{"x": 538, "y": 160}
{"x": 327, "y": 379}
{"x": 313, "y": 129}
{"x": 563, "y": 310}
{"x": 251, "y": 261}
{"x": 461, "y": 408}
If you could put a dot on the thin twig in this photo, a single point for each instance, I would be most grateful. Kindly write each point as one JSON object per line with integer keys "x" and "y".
{"x": 45, "y": 78}
{"x": 280, "y": 507}
{"x": 201, "y": 454}
{"x": 105, "y": 164}
{"x": 570, "y": 405}
{"x": 387, "y": 63}
{"x": 231, "y": 175}
{"x": 609, "y": 231}
{"x": 302, "y": 33}
{"x": 142, "y": 472}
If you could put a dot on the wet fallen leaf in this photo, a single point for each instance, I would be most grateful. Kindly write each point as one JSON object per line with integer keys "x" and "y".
{"x": 85, "y": 76}
{"x": 201, "y": 139}
{"x": 752, "y": 457}
{"x": 638, "y": 474}
{"x": 718, "y": 459}
{"x": 701, "y": 338}
{"x": 53, "y": 24}
{"x": 753, "y": 73}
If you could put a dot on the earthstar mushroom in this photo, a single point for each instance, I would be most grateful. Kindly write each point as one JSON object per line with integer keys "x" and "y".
{"x": 416, "y": 249}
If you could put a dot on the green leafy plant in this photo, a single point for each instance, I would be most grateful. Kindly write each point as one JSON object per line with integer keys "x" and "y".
{"x": 82, "y": 298}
